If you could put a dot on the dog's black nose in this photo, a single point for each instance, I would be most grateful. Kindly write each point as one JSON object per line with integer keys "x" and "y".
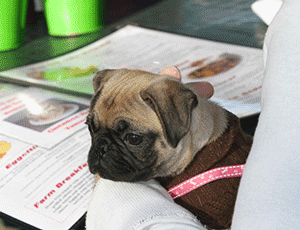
{"x": 104, "y": 144}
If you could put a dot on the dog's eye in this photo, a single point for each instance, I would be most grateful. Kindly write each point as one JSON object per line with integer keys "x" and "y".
{"x": 134, "y": 139}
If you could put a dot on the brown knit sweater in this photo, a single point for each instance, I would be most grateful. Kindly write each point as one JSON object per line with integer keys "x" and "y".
{"x": 213, "y": 203}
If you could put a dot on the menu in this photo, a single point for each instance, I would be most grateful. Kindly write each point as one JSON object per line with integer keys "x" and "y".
{"x": 41, "y": 117}
{"x": 47, "y": 189}
{"x": 44, "y": 176}
{"x": 236, "y": 72}
{"x": 6, "y": 89}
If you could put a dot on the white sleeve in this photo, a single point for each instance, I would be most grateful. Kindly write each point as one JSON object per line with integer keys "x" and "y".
{"x": 138, "y": 206}
{"x": 269, "y": 193}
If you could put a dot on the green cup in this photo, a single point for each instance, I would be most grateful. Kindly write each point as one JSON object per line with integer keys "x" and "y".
{"x": 12, "y": 23}
{"x": 73, "y": 17}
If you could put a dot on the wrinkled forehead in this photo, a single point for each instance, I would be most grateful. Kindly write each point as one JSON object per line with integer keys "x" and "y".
{"x": 119, "y": 98}
{"x": 128, "y": 81}
{"x": 121, "y": 82}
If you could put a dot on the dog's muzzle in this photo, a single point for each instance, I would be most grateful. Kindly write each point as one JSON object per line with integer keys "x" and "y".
{"x": 111, "y": 159}
{"x": 104, "y": 144}
{"x": 101, "y": 146}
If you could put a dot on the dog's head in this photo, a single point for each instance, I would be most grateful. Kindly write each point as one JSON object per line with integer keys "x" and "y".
{"x": 138, "y": 121}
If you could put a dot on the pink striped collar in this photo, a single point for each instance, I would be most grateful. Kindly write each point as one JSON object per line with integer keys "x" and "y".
{"x": 205, "y": 178}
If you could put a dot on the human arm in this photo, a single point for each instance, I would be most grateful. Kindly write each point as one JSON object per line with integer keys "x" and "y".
{"x": 139, "y": 206}
{"x": 268, "y": 196}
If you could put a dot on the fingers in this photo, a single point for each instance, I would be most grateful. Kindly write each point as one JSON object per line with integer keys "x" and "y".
{"x": 203, "y": 88}
{"x": 172, "y": 71}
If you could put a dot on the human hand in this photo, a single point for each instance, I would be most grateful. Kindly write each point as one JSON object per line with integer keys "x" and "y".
{"x": 203, "y": 88}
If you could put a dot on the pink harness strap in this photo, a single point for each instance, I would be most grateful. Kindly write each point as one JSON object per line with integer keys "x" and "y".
{"x": 205, "y": 178}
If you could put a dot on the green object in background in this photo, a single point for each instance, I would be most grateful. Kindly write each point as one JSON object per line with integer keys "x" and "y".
{"x": 73, "y": 17}
{"x": 12, "y": 23}
{"x": 68, "y": 72}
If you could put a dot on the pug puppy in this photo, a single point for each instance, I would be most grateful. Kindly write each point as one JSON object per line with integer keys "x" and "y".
{"x": 146, "y": 126}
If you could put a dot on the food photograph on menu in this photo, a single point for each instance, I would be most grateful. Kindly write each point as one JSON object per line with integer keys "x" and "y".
{"x": 42, "y": 118}
{"x": 48, "y": 113}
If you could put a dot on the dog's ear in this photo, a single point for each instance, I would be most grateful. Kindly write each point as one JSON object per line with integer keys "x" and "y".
{"x": 99, "y": 78}
{"x": 173, "y": 103}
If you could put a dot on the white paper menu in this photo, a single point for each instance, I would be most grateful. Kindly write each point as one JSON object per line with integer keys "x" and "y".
{"x": 41, "y": 117}
{"x": 47, "y": 189}
{"x": 235, "y": 71}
